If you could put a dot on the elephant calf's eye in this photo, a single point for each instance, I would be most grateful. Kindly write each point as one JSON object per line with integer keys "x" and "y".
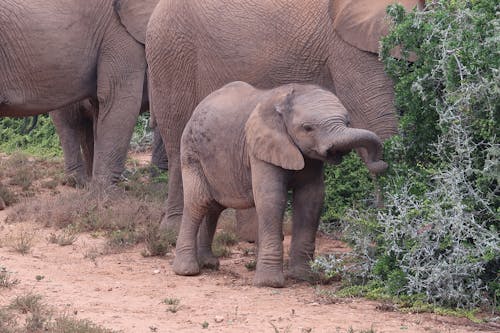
{"x": 307, "y": 127}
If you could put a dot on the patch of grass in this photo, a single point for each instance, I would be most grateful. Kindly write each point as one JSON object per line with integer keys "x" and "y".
{"x": 92, "y": 254}
{"x": 123, "y": 238}
{"x": 227, "y": 238}
{"x": 112, "y": 211}
{"x": 140, "y": 184}
{"x": 6, "y": 280}
{"x": 7, "y": 195}
{"x": 8, "y": 322}
{"x": 24, "y": 178}
{"x": 67, "y": 237}
{"x": 173, "y": 304}
{"x": 157, "y": 242}
{"x": 220, "y": 250}
{"x": 222, "y": 241}
{"x": 22, "y": 241}
{"x": 50, "y": 184}
{"x": 40, "y": 318}
{"x": 67, "y": 324}
{"x": 28, "y": 303}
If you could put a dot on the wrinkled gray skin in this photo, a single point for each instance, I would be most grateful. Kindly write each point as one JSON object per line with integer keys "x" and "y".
{"x": 75, "y": 127}
{"x": 195, "y": 47}
{"x": 247, "y": 147}
{"x": 55, "y": 53}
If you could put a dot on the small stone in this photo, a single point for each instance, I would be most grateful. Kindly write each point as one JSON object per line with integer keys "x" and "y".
{"x": 156, "y": 271}
{"x": 219, "y": 319}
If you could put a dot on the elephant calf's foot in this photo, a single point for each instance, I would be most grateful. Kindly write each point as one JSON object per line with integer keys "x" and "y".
{"x": 185, "y": 265}
{"x": 208, "y": 260}
{"x": 275, "y": 279}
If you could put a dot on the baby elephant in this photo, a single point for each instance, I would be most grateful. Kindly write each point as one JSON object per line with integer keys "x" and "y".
{"x": 245, "y": 147}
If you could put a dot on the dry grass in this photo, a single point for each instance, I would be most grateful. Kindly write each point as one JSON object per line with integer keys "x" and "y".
{"x": 6, "y": 280}
{"x": 67, "y": 237}
{"x": 39, "y": 317}
{"x": 21, "y": 240}
{"x": 90, "y": 209}
{"x": 7, "y": 195}
{"x": 157, "y": 243}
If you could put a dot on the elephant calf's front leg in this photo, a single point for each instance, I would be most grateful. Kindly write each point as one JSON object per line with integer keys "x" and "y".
{"x": 308, "y": 197}
{"x": 270, "y": 194}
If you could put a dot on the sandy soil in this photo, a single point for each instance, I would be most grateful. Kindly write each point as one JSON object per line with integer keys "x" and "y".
{"x": 125, "y": 291}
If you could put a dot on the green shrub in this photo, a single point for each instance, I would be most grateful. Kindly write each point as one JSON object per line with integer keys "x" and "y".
{"x": 41, "y": 141}
{"x": 346, "y": 185}
{"x": 437, "y": 238}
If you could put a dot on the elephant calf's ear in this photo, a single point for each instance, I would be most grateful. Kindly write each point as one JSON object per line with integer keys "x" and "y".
{"x": 268, "y": 140}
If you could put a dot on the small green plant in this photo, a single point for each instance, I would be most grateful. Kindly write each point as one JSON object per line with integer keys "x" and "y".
{"x": 123, "y": 238}
{"x": 39, "y": 277}
{"x": 173, "y": 304}
{"x": 204, "y": 325}
{"x": 251, "y": 265}
{"x": 227, "y": 238}
{"x": 6, "y": 280}
{"x": 220, "y": 250}
{"x": 222, "y": 241}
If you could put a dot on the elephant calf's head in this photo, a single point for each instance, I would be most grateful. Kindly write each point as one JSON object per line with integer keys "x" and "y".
{"x": 308, "y": 121}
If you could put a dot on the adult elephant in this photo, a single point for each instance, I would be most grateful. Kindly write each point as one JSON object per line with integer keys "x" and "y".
{"x": 194, "y": 48}
{"x": 54, "y": 53}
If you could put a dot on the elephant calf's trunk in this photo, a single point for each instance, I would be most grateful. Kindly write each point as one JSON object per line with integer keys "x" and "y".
{"x": 368, "y": 145}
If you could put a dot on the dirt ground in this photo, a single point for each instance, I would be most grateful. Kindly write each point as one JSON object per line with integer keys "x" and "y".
{"x": 126, "y": 291}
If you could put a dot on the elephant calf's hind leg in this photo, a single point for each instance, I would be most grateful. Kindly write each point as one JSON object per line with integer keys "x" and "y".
{"x": 206, "y": 258}
{"x": 196, "y": 207}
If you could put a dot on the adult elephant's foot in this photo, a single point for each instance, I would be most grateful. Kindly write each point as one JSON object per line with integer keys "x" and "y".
{"x": 269, "y": 278}
{"x": 207, "y": 259}
{"x": 186, "y": 265}
{"x": 76, "y": 180}
{"x": 302, "y": 272}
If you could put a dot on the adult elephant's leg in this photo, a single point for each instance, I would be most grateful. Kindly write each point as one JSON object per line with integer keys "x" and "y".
{"x": 270, "y": 195}
{"x": 172, "y": 84}
{"x": 159, "y": 155}
{"x": 206, "y": 233}
{"x": 308, "y": 197}
{"x": 87, "y": 140}
{"x": 364, "y": 89}
{"x": 68, "y": 122}
{"x": 247, "y": 224}
{"x": 120, "y": 79}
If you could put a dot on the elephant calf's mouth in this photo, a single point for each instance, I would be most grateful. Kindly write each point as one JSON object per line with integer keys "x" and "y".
{"x": 335, "y": 156}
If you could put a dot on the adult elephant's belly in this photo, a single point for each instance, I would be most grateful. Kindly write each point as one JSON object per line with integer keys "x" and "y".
{"x": 47, "y": 56}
